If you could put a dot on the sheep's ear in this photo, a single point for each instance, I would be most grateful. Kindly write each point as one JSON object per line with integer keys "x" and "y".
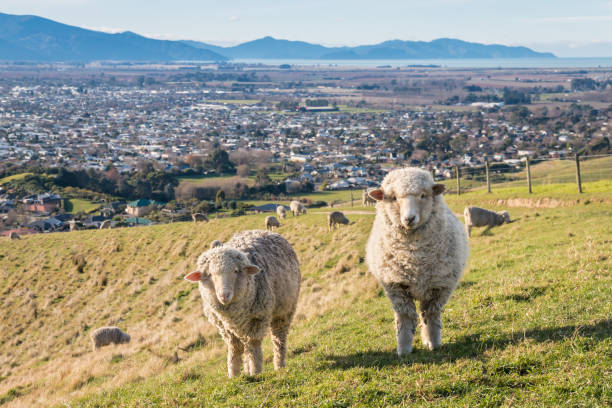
{"x": 251, "y": 269}
{"x": 376, "y": 194}
{"x": 194, "y": 276}
{"x": 438, "y": 189}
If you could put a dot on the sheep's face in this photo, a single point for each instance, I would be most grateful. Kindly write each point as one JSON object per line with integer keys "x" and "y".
{"x": 407, "y": 196}
{"x": 505, "y": 215}
{"x": 223, "y": 273}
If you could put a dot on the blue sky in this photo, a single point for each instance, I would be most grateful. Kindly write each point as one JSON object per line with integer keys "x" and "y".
{"x": 567, "y": 28}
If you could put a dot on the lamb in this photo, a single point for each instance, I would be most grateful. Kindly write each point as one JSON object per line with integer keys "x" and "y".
{"x": 199, "y": 217}
{"x": 281, "y": 212}
{"x": 104, "y": 336}
{"x": 334, "y": 218}
{"x": 271, "y": 222}
{"x": 248, "y": 285}
{"x": 13, "y": 235}
{"x": 297, "y": 208}
{"x": 480, "y": 217}
{"x": 106, "y": 224}
{"x": 417, "y": 250}
{"x": 366, "y": 200}
{"x": 215, "y": 243}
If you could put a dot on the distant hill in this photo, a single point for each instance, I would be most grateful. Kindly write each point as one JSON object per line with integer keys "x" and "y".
{"x": 272, "y": 48}
{"x": 31, "y": 38}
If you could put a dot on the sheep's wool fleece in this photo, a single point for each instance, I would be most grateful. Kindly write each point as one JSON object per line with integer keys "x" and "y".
{"x": 426, "y": 259}
{"x": 270, "y": 294}
{"x": 104, "y": 336}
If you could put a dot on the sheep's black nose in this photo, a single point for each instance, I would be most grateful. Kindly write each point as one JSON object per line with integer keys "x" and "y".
{"x": 410, "y": 219}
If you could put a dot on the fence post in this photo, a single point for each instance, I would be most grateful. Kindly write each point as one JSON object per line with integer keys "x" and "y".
{"x": 578, "y": 178}
{"x": 458, "y": 182}
{"x": 528, "y": 175}
{"x": 351, "y": 198}
{"x": 488, "y": 179}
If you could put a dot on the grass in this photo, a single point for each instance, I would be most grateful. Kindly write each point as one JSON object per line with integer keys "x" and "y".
{"x": 75, "y": 205}
{"x": 14, "y": 177}
{"x": 529, "y": 324}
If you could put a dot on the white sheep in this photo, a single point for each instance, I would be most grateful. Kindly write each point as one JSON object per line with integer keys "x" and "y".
{"x": 74, "y": 226}
{"x": 480, "y": 217}
{"x": 281, "y": 212}
{"x": 335, "y": 218}
{"x": 199, "y": 217}
{"x": 104, "y": 336}
{"x": 249, "y": 285}
{"x": 417, "y": 250}
{"x": 366, "y": 200}
{"x": 271, "y": 222}
{"x": 297, "y": 208}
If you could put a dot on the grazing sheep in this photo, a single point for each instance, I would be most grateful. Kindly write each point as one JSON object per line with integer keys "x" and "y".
{"x": 249, "y": 285}
{"x": 215, "y": 243}
{"x": 271, "y": 222}
{"x": 366, "y": 200}
{"x": 106, "y": 224}
{"x": 14, "y": 235}
{"x": 417, "y": 250}
{"x": 199, "y": 217}
{"x": 281, "y": 212}
{"x": 297, "y": 208}
{"x": 480, "y": 217}
{"x": 104, "y": 336}
{"x": 334, "y": 218}
{"x": 74, "y": 225}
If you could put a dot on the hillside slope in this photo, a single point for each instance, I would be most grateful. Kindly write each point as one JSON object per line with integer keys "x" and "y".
{"x": 529, "y": 324}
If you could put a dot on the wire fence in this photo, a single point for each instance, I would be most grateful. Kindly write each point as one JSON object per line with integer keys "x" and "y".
{"x": 532, "y": 173}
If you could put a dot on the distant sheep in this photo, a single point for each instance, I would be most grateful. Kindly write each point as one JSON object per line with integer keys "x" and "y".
{"x": 417, "y": 250}
{"x": 334, "y": 218}
{"x": 74, "y": 225}
{"x": 480, "y": 217}
{"x": 281, "y": 212}
{"x": 215, "y": 244}
{"x": 106, "y": 224}
{"x": 271, "y": 222}
{"x": 297, "y": 208}
{"x": 14, "y": 235}
{"x": 104, "y": 336}
{"x": 366, "y": 200}
{"x": 248, "y": 286}
{"x": 199, "y": 217}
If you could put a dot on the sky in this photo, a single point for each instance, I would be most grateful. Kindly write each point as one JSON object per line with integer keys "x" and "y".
{"x": 568, "y": 28}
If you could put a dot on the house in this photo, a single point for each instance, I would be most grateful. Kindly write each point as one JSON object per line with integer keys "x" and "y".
{"x": 45, "y": 203}
{"x": 140, "y": 207}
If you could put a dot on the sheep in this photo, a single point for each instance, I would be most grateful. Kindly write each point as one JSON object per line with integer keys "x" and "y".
{"x": 199, "y": 217}
{"x": 281, "y": 212}
{"x": 74, "y": 225}
{"x": 106, "y": 224}
{"x": 480, "y": 217}
{"x": 417, "y": 250}
{"x": 248, "y": 285}
{"x": 366, "y": 200}
{"x": 14, "y": 235}
{"x": 104, "y": 336}
{"x": 297, "y": 208}
{"x": 215, "y": 243}
{"x": 334, "y": 218}
{"x": 271, "y": 222}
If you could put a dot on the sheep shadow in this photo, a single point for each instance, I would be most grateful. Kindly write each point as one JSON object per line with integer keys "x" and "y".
{"x": 471, "y": 346}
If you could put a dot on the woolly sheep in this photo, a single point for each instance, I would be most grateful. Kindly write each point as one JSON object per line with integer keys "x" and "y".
{"x": 248, "y": 285}
{"x": 417, "y": 250}
{"x": 297, "y": 208}
{"x": 14, "y": 235}
{"x": 334, "y": 218}
{"x": 480, "y": 217}
{"x": 199, "y": 217}
{"x": 271, "y": 222}
{"x": 366, "y": 200}
{"x": 105, "y": 224}
{"x": 215, "y": 244}
{"x": 281, "y": 212}
{"x": 104, "y": 336}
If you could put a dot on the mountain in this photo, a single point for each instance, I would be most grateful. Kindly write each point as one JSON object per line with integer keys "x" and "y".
{"x": 271, "y": 48}
{"x": 32, "y": 38}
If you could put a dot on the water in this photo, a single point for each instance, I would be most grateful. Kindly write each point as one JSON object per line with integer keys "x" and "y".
{"x": 599, "y": 62}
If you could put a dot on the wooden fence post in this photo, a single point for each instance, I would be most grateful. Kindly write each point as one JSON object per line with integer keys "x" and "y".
{"x": 528, "y": 174}
{"x": 458, "y": 182}
{"x": 578, "y": 178}
{"x": 488, "y": 179}
{"x": 351, "y": 198}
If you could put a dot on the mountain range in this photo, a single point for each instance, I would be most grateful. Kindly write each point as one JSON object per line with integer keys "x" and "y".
{"x": 32, "y": 38}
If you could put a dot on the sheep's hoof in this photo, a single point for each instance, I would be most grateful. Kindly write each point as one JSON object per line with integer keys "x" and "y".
{"x": 404, "y": 352}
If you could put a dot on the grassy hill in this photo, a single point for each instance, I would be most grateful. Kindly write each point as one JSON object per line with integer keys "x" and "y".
{"x": 528, "y": 326}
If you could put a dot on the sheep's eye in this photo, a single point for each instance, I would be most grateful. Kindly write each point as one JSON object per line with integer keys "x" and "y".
{"x": 237, "y": 271}
{"x": 391, "y": 198}
{"x": 422, "y": 196}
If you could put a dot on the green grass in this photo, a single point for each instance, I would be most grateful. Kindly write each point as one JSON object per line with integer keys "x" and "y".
{"x": 75, "y": 205}
{"x": 14, "y": 177}
{"x": 529, "y": 324}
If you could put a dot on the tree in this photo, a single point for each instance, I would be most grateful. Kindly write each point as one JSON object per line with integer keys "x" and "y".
{"x": 219, "y": 199}
{"x": 243, "y": 170}
{"x": 220, "y": 162}
{"x": 262, "y": 178}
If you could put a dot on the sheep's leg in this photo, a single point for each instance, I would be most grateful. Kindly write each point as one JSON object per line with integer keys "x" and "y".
{"x": 431, "y": 322}
{"x": 254, "y": 356}
{"x": 486, "y": 229}
{"x": 405, "y": 317}
{"x": 280, "y": 330}
{"x": 468, "y": 230}
{"x": 235, "y": 350}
